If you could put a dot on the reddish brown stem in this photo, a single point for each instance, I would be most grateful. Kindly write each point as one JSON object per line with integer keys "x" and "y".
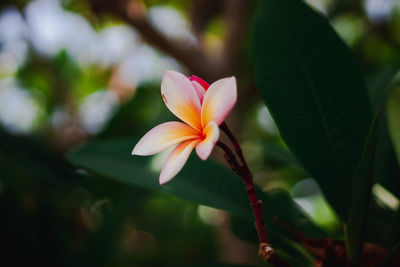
{"x": 236, "y": 145}
{"x": 231, "y": 158}
{"x": 265, "y": 251}
{"x": 247, "y": 178}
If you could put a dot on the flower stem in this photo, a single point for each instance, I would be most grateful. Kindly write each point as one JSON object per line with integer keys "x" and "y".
{"x": 225, "y": 129}
{"x": 265, "y": 250}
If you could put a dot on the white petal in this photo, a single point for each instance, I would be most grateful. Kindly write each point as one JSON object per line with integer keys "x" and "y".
{"x": 199, "y": 90}
{"x": 218, "y": 101}
{"x": 163, "y": 136}
{"x": 181, "y": 98}
{"x": 211, "y": 133}
{"x": 176, "y": 160}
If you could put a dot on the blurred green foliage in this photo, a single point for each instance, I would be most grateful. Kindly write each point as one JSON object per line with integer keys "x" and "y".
{"x": 72, "y": 110}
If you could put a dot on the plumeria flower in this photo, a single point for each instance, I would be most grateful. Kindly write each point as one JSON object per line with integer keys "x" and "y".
{"x": 201, "y": 107}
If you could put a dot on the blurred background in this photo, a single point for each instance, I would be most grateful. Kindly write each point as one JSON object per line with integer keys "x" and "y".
{"x": 78, "y": 70}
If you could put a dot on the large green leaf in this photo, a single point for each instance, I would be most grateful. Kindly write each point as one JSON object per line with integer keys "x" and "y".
{"x": 380, "y": 85}
{"x": 315, "y": 92}
{"x": 393, "y": 115}
{"x": 112, "y": 158}
{"x": 360, "y": 202}
{"x": 205, "y": 182}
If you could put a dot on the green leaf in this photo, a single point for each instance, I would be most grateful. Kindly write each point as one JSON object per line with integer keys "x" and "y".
{"x": 281, "y": 201}
{"x": 315, "y": 93}
{"x": 278, "y": 235}
{"x": 204, "y": 182}
{"x": 380, "y": 85}
{"x": 360, "y": 202}
{"x": 393, "y": 116}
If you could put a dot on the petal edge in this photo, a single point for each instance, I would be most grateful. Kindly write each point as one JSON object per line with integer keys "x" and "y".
{"x": 181, "y": 98}
{"x": 205, "y": 147}
{"x": 176, "y": 160}
{"x": 163, "y": 136}
{"x": 218, "y": 101}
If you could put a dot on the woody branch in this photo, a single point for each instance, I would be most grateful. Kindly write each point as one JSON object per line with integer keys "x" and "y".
{"x": 211, "y": 68}
{"x": 265, "y": 251}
